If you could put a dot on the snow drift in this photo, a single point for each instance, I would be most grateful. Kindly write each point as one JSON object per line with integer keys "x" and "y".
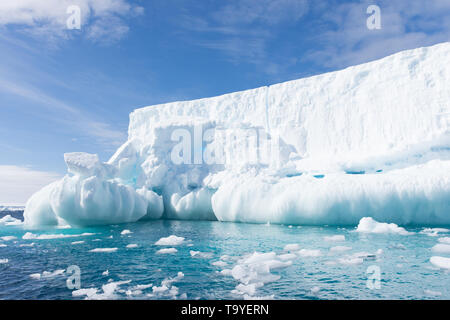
{"x": 369, "y": 141}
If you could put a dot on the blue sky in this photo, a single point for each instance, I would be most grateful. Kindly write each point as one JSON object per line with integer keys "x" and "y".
{"x": 72, "y": 90}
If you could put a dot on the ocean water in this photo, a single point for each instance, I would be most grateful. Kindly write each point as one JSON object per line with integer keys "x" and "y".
{"x": 363, "y": 266}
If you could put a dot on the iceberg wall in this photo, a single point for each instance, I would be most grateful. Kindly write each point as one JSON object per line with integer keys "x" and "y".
{"x": 370, "y": 140}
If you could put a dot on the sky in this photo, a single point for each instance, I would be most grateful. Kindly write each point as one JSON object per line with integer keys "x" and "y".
{"x": 67, "y": 89}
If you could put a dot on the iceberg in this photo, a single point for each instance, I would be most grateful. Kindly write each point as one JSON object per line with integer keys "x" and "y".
{"x": 372, "y": 140}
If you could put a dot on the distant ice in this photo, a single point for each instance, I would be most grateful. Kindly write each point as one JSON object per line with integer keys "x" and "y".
{"x": 107, "y": 250}
{"x": 335, "y": 238}
{"x": 47, "y": 274}
{"x": 31, "y": 236}
{"x": 126, "y": 231}
{"x": 167, "y": 251}
{"x": 8, "y": 220}
{"x": 8, "y": 238}
{"x": 132, "y": 245}
{"x": 3, "y": 261}
{"x": 77, "y": 242}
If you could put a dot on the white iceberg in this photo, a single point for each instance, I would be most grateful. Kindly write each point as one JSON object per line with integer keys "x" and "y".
{"x": 369, "y": 141}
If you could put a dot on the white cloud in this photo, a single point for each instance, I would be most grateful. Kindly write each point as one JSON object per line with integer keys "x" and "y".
{"x": 17, "y": 183}
{"x": 103, "y": 20}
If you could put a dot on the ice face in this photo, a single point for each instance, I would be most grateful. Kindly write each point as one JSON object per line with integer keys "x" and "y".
{"x": 369, "y": 141}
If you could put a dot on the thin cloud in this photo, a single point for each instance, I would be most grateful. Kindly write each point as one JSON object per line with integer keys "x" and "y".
{"x": 18, "y": 183}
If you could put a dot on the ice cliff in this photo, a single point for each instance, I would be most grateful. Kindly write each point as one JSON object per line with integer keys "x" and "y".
{"x": 371, "y": 140}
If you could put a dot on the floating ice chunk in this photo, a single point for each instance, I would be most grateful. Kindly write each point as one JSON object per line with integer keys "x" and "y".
{"x": 441, "y": 248}
{"x": 2, "y": 245}
{"x": 88, "y": 292}
{"x": 440, "y": 262}
{"x": 444, "y": 240}
{"x": 27, "y": 244}
{"x": 199, "y": 254}
{"x": 167, "y": 251}
{"x": 170, "y": 241}
{"x": 47, "y": 274}
{"x": 125, "y": 232}
{"x": 220, "y": 264}
{"x": 434, "y": 232}
{"x": 335, "y": 238}
{"x": 31, "y": 236}
{"x": 4, "y": 261}
{"x": 369, "y": 225}
{"x": 292, "y": 247}
{"x": 8, "y": 220}
{"x": 309, "y": 253}
{"x": 167, "y": 288}
{"x": 287, "y": 256}
{"x": 8, "y": 238}
{"x": 432, "y": 293}
{"x": 77, "y": 242}
{"x": 315, "y": 290}
{"x": 249, "y": 289}
{"x": 351, "y": 261}
{"x": 105, "y": 273}
{"x": 106, "y": 250}
{"x": 339, "y": 249}
{"x": 132, "y": 245}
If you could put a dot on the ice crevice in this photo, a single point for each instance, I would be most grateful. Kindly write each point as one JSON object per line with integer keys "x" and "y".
{"x": 372, "y": 140}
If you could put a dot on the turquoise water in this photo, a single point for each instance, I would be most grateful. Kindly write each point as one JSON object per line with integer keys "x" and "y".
{"x": 403, "y": 262}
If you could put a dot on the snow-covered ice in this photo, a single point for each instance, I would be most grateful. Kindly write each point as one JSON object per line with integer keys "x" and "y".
{"x": 372, "y": 140}
{"x": 440, "y": 262}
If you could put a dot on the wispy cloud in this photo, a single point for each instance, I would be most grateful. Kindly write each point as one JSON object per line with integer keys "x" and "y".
{"x": 102, "y": 20}
{"x": 405, "y": 25}
{"x": 63, "y": 113}
{"x": 18, "y": 183}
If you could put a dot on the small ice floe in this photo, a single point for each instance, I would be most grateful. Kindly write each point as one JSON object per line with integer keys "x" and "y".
{"x": 219, "y": 263}
{"x": 440, "y": 262}
{"x": 254, "y": 271}
{"x": 287, "y": 257}
{"x": 31, "y": 236}
{"x": 47, "y": 274}
{"x": 434, "y": 232}
{"x": 125, "y": 232}
{"x": 132, "y": 246}
{"x": 8, "y": 220}
{"x": 309, "y": 253}
{"x": 107, "y": 250}
{"x": 105, "y": 273}
{"x": 444, "y": 240}
{"x": 369, "y": 225}
{"x": 167, "y": 288}
{"x": 441, "y": 248}
{"x": 77, "y": 242}
{"x": 27, "y": 244}
{"x": 170, "y": 241}
{"x": 432, "y": 293}
{"x": 315, "y": 290}
{"x": 109, "y": 291}
{"x": 4, "y": 261}
{"x": 199, "y": 254}
{"x": 167, "y": 251}
{"x": 338, "y": 249}
{"x": 291, "y": 247}
{"x": 2, "y": 245}
{"x": 335, "y": 238}
{"x": 8, "y": 238}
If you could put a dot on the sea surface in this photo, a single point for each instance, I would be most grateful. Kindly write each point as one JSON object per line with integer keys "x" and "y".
{"x": 217, "y": 260}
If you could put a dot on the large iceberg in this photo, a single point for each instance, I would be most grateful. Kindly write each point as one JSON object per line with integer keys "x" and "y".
{"x": 369, "y": 141}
